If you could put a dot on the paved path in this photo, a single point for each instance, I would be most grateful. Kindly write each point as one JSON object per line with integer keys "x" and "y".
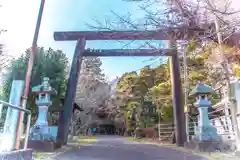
{"x": 116, "y": 148}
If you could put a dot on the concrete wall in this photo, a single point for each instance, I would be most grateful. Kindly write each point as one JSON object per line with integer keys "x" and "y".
{"x": 17, "y": 155}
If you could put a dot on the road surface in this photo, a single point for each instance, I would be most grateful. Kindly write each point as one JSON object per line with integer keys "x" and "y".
{"x": 116, "y": 148}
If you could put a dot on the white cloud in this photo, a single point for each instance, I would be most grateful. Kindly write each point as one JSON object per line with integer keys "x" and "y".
{"x": 19, "y": 18}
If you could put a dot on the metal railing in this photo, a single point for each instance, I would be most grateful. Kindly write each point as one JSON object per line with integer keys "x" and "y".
{"x": 222, "y": 124}
{"x": 19, "y": 109}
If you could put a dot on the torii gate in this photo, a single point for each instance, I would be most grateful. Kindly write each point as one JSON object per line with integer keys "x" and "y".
{"x": 82, "y": 36}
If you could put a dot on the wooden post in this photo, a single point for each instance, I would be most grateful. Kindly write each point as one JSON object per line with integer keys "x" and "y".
{"x": 178, "y": 107}
{"x": 66, "y": 116}
{"x": 186, "y": 93}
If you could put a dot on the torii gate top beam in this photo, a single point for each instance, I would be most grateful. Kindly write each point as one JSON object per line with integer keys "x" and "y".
{"x": 128, "y": 52}
{"x": 164, "y": 34}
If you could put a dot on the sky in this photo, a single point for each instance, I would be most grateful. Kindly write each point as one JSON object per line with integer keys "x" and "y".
{"x": 19, "y": 17}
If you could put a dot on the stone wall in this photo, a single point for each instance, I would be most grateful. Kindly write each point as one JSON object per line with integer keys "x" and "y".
{"x": 17, "y": 155}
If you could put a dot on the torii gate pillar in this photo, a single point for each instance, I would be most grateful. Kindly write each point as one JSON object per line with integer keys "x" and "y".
{"x": 177, "y": 96}
{"x": 65, "y": 117}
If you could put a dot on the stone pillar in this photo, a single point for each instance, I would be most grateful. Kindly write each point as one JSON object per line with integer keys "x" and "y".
{"x": 42, "y": 115}
{"x": 10, "y": 125}
{"x": 235, "y": 110}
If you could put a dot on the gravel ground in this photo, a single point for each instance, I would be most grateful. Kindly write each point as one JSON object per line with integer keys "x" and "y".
{"x": 116, "y": 148}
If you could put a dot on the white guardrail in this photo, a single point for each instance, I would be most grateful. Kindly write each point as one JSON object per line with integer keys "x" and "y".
{"x": 8, "y": 126}
{"x": 221, "y": 123}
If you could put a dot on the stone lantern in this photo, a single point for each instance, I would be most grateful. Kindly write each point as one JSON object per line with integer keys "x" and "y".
{"x": 41, "y": 131}
{"x": 202, "y": 93}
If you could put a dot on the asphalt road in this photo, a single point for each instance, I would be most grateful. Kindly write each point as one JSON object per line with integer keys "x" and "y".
{"x": 116, "y": 148}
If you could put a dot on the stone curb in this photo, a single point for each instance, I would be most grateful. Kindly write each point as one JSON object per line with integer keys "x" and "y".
{"x": 17, "y": 155}
{"x": 71, "y": 144}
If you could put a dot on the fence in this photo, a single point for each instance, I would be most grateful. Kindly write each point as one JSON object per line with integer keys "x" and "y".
{"x": 8, "y": 125}
{"x": 165, "y": 131}
{"x": 222, "y": 123}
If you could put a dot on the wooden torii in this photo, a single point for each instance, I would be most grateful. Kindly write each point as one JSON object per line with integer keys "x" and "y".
{"x": 168, "y": 34}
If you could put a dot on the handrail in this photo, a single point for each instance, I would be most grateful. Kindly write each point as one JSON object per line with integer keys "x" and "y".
{"x": 28, "y": 120}
{"x": 15, "y": 107}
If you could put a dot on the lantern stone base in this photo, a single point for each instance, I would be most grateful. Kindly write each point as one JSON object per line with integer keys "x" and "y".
{"x": 43, "y": 138}
{"x": 208, "y": 133}
{"x": 43, "y": 132}
{"x": 208, "y": 146}
{"x": 42, "y": 146}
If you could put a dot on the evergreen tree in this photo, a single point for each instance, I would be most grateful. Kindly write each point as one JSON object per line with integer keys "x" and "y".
{"x": 48, "y": 63}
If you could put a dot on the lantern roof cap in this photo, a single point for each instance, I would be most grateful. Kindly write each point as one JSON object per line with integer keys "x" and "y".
{"x": 44, "y": 87}
{"x": 201, "y": 89}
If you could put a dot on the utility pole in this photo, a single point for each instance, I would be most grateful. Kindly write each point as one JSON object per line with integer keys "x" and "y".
{"x": 159, "y": 125}
{"x": 28, "y": 74}
{"x": 186, "y": 92}
{"x": 224, "y": 64}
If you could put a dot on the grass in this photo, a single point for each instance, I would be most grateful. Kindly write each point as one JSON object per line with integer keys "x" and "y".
{"x": 87, "y": 137}
{"x": 44, "y": 155}
{"x": 138, "y": 139}
{"x": 208, "y": 155}
{"x": 81, "y": 142}
{"x": 41, "y": 155}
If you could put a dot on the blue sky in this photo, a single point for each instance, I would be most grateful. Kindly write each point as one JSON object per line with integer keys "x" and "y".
{"x": 68, "y": 15}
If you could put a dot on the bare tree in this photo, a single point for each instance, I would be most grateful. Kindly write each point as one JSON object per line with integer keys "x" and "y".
{"x": 215, "y": 20}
